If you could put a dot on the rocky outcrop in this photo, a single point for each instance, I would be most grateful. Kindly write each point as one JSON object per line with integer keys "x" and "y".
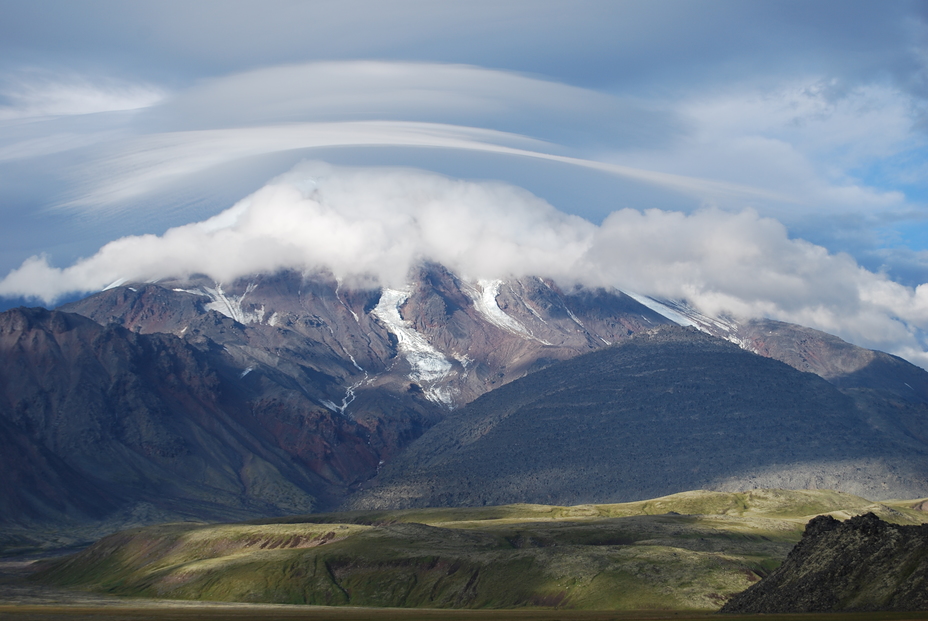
{"x": 863, "y": 564}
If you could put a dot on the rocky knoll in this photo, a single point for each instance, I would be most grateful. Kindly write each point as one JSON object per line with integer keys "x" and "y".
{"x": 863, "y": 564}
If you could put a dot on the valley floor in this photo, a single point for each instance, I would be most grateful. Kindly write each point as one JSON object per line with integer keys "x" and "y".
{"x": 677, "y": 557}
{"x": 171, "y": 611}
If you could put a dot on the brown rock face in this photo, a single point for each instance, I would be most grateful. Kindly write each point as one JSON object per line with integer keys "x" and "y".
{"x": 98, "y": 420}
{"x": 329, "y": 337}
{"x": 839, "y": 362}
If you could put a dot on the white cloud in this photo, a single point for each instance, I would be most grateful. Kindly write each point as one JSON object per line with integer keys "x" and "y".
{"x": 379, "y": 222}
{"x": 40, "y": 94}
{"x": 796, "y": 150}
{"x": 146, "y": 163}
{"x": 810, "y": 140}
{"x": 791, "y": 149}
{"x": 150, "y": 162}
{"x": 377, "y": 90}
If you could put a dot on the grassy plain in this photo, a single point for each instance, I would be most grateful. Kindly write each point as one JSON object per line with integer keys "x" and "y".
{"x": 168, "y": 612}
{"x": 683, "y": 553}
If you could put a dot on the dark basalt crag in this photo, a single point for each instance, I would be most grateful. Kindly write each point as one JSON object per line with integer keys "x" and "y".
{"x": 863, "y": 564}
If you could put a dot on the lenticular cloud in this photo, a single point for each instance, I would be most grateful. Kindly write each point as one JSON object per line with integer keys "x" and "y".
{"x": 376, "y": 224}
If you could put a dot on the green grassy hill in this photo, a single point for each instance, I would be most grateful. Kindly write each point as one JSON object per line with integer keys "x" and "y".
{"x": 687, "y": 551}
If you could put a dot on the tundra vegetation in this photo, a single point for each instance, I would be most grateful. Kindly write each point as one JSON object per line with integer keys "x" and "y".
{"x": 687, "y": 552}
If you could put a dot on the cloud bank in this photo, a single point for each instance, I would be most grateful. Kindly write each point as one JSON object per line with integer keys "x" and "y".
{"x": 838, "y": 163}
{"x": 377, "y": 223}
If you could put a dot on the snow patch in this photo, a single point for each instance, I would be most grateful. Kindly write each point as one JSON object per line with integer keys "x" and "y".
{"x": 231, "y": 306}
{"x": 349, "y": 392}
{"x": 484, "y": 295}
{"x": 716, "y": 326}
{"x": 428, "y": 365}
{"x": 661, "y": 309}
{"x": 574, "y": 317}
{"x": 246, "y": 372}
{"x": 116, "y": 283}
{"x": 347, "y": 399}
{"x": 338, "y": 284}
{"x": 683, "y": 314}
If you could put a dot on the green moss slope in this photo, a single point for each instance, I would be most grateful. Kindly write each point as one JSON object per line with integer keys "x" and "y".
{"x": 686, "y": 551}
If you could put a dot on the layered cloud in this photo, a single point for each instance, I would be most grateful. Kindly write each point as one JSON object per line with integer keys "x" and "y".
{"x": 797, "y": 149}
{"x": 697, "y": 149}
{"x": 39, "y": 94}
{"x": 377, "y": 223}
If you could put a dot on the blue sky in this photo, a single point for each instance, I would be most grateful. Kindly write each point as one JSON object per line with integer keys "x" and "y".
{"x": 802, "y": 123}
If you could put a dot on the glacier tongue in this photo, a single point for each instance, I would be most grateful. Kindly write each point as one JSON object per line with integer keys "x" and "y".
{"x": 428, "y": 364}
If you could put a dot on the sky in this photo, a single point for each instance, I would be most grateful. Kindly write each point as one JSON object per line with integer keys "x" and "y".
{"x": 758, "y": 159}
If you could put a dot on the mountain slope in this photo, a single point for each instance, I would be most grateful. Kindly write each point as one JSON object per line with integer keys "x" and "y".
{"x": 664, "y": 411}
{"x": 273, "y": 395}
{"x": 99, "y": 422}
{"x": 451, "y": 339}
{"x": 329, "y": 381}
{"x": 844, "y": 365}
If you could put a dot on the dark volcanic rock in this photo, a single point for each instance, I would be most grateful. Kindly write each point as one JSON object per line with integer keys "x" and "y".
{"x": 270, "y": 394}
{"x": 858, "y": 565}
